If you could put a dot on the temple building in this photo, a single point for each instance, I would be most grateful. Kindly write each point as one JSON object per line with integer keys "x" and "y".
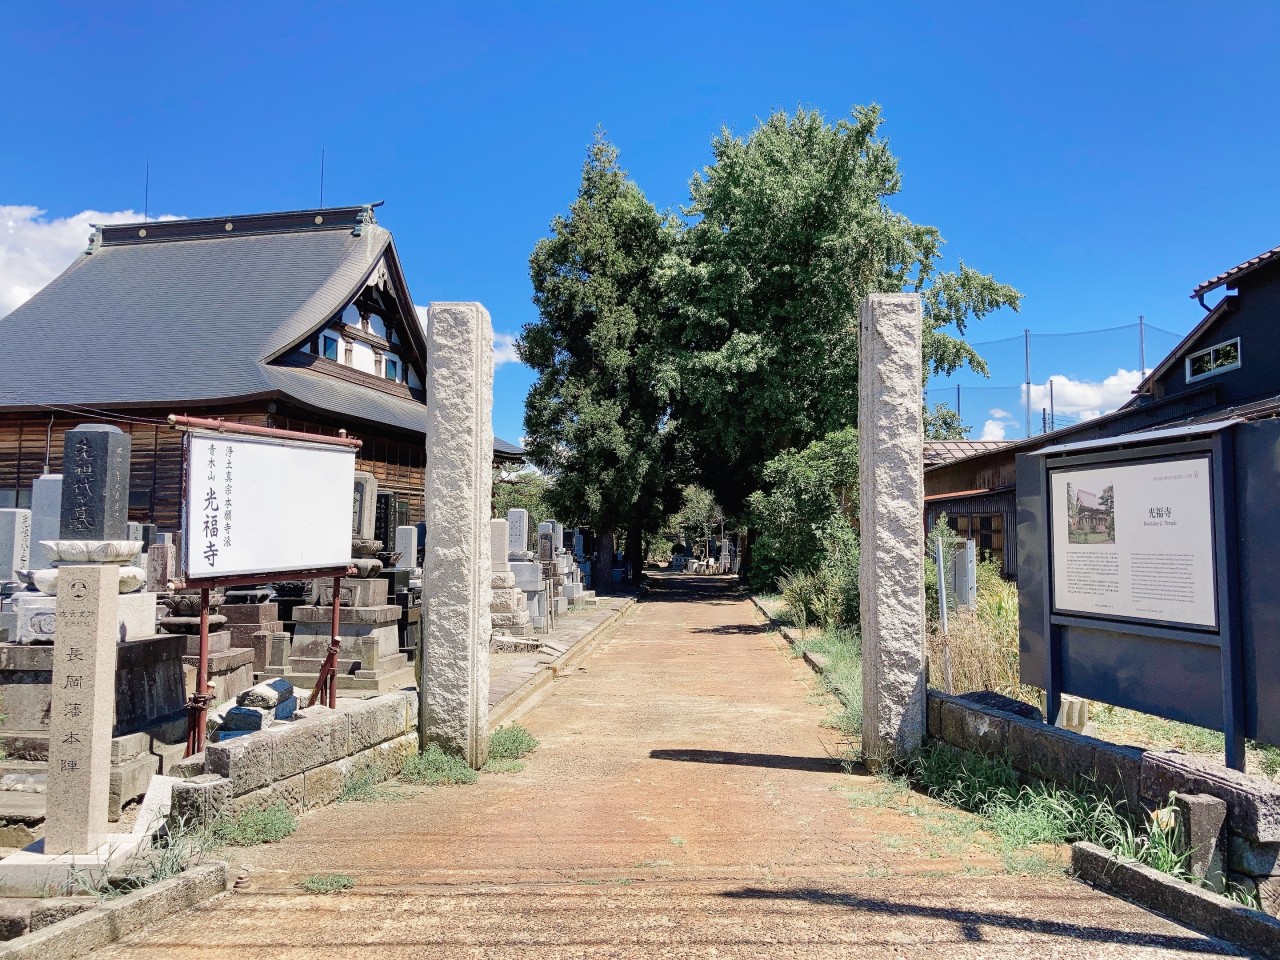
{"x": 299, "y": 320}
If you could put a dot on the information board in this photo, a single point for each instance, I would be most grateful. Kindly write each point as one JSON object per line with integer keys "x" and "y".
{"x": 264, "y": 505}
{"x": 1136, "y": 540}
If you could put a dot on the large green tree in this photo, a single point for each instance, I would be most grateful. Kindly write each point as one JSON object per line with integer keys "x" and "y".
{"x": 597, "y": 416}
{"x": 790, "y": 230}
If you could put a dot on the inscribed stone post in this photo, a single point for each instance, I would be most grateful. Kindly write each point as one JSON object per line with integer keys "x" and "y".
{"x": 891, "y": 565}
{"x": 46, "y": 518}
{"x": 407, "y": 547}
{"x": 363, "y": 503}
{"x": 517, "y": 532}
{"x": 82, "y": 710}
{"x": 95, "y": 488}
{"x": 457, "y": 570}
{"x": 15, "y": 542}
{"x": 499, "y": 539}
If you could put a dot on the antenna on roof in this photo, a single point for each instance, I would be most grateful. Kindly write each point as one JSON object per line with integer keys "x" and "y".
{"x": 322, "y": 176}
{"x": 146, "y": 192}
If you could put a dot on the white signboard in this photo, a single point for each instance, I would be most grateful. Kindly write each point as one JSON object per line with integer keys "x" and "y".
{"x": 1135, "y": 541}
{"x": 264, "y": 505}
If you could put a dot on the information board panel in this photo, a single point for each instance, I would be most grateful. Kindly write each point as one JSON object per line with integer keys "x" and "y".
{"x": 1136, "y": 540}
{"x": 264, "y": 505}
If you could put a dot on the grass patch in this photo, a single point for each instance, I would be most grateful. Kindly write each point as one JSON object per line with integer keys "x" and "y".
{"x": 502, "y": 765}
{"x": 511, "y": 743}
{"x": 677, "y": 841}
{"x": 842, "y": 649}
{"x": 252, "y": 827}
{"x": 327, "y": 883}
{"x": 435, "y": 768}
{"x": 368, "y": 787}
{"x": 181, "y": 847}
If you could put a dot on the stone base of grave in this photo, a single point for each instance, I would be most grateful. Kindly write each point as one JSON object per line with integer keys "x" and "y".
{"x": 33, "y": 874}
{"x": 219, "y": 642}
{"x": 251, "y": 626}
{"x": 561, "y": 605}
{"x": 509, "y": 610}
{"x": 36, "y": 616}
{"x": 370, "y": 662}
{"x": 230, "y": 672}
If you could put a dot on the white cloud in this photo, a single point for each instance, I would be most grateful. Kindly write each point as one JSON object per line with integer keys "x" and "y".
{"x": 1001, "y": 414}
{"x": 504, "y": 349}
{"x": 34, "y": 250}
{"x": 1085, "y": 399}
{"x": 993, "y": 429}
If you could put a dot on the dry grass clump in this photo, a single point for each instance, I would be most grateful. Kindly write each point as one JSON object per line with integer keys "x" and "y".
{"x": 980, "y": 651}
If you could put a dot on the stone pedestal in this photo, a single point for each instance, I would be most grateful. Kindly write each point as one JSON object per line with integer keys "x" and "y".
{"x": 37, "y": 621}
{"x": 407, "y": 547}
{"x": 251, "y": 626}
{"x": 370, "y": 662}
{"x": 457, "y": 569}
{"x": 230, "y": 671}
{"x": 891, "y": 566}
{"x": 529, "y": 580}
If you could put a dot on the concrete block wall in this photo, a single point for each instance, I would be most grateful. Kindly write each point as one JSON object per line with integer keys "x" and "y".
{"x": 992, "y": 724}
{"x": 305, "y": 762}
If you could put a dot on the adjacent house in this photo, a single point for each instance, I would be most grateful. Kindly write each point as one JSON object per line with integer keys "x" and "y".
{"x": 1228, "y": 366}
{"x": 299, "y": 320}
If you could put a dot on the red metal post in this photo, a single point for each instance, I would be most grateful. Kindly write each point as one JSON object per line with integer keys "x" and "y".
{"x": 198, "y": 705}
{"x": 333, "y": 646}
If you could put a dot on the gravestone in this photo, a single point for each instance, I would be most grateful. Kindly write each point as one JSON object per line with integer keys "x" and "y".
{"x": 407, "y": 547}
{"x": 363, "y": 503}
{"x": 15, "y": 542}
{"x": 82, "y": 708}
{"x": 517, "y": 532}
{"x": 546, "y": 545}
{"x": 383, "y": 518}
{"x": 162, "y": 564}
{"x": 95, "y": 484}
{"x": 144, "y": 532}
{"x": 499, "y": 540}
{"x": 456, "y": 620}
{"x": 46, "y": 517}
{"x": 891, "y": 565}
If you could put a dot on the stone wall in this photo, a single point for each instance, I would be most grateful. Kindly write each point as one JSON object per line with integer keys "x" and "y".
{"x": 305, "y": 762}
{"x": 1249, "y": 843}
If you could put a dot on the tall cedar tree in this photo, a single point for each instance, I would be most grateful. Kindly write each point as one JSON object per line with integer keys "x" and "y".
{"x": 596, "y": 418}
{"x": 790, "y": 232}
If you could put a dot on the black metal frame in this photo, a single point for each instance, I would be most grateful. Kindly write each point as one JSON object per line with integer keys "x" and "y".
{"x": 1219, "y": 449}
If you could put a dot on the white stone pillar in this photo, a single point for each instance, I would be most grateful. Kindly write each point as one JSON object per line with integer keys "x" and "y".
{"x": 83, "y": 708}
{"x": 46, "y": 518}
{"x": 457, "y": 570}
{"x": 499, "y": 539}
{"x": 15, "y": 542}
{"x": 891, "y": 518}
{"x": 407, "y": 547}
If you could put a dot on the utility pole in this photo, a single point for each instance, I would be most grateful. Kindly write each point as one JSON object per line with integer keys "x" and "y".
{"x": 1142, "y": 345}
{"x": 957, "y": 400}
{"x": 1026, "y": 340}
{"x": 1053, "y": 420}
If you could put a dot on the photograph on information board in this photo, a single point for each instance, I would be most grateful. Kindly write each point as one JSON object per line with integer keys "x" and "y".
{"x": 1136, "y": 541}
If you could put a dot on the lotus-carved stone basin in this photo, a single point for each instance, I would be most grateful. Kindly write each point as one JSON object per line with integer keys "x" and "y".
{"x": 365, "y": 548}
{"x": 188, "y": 604}
{"x": 94, "y": 551}
{"x": 366, "y": 568}
{"x": 46, "y": 581}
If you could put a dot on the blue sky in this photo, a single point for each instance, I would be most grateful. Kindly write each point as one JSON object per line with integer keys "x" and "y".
{"x": 1102, "y": 158}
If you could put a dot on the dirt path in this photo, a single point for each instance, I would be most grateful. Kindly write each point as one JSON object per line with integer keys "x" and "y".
{"x": 682, "y": 803}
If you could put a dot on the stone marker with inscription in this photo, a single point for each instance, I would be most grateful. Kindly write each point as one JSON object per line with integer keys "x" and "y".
{"x": 95, "y": 483}
{"x": 46, "y": 517}
{"x": 15, "y": 542}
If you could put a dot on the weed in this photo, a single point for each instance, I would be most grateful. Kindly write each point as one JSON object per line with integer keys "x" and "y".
{"x": 677, "y": 841}
{"x": 174, "y": 851}
{"x": 511, "y": 742}
{"x": 327, "y": 883}
{"x": 252, "y": 827}
{"x": 500, "y": 765}
{"x": 366, "y": 788}
{"x": 435, "y": 768}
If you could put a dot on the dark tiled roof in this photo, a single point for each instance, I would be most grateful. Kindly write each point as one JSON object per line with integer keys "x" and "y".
{"x": 1237, "y": 272}
{"x": 947, "y": 451}
{"x": 192, "y": 313}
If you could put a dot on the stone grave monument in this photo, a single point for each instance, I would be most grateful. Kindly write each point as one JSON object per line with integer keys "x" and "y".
{"x": 509, "y": 609}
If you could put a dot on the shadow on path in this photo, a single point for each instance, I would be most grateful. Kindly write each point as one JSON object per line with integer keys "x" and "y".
{"x": 771, "y": 761}
{"x": 972, "y": 921}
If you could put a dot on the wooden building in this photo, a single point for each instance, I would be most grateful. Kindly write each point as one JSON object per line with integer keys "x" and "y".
{"x": 1228, "y": 366}
{"x": 298, "y": 320}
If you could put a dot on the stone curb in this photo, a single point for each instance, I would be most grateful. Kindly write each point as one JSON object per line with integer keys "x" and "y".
{"x": 815, "y": 661}
{"x": 1181, "y": 902}
{"x": 112, "y": 920}
{"x": 524, "y": 695}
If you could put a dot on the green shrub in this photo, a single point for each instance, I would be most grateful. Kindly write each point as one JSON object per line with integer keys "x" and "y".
{"x": 327, "y": 883}
{"x": 252, "y": 827}
{"x": 502, "y": 765}
{"x": 511, "y": 743}
{"x": 436, "y": 768}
